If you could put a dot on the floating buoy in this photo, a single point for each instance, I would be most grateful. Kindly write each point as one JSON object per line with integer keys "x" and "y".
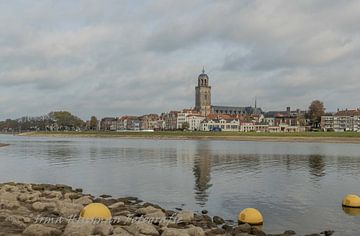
{"x": 351, "y": 200}
{"x": 95, "y": 211}
{"x": 251, "y": 216}
{"x": 352, "y": 211}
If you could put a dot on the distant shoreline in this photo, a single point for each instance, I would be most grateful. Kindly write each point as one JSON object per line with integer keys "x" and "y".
{"x": 3, "y": 145}
{"x": 351, "y": 138}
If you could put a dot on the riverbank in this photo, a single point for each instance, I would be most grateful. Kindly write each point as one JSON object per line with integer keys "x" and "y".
{"x": 3, "y": 145}
{"x": 320, "y": 137}
{"x": 44, "y": 209}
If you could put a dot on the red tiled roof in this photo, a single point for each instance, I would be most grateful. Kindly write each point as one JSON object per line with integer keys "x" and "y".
{"x": 348, "y": 113}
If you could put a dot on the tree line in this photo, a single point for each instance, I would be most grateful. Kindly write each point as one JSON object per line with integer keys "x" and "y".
{"x": 54, "y": 121}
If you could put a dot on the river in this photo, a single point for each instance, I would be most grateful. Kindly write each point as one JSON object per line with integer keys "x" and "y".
{"x": 296, "y": 186}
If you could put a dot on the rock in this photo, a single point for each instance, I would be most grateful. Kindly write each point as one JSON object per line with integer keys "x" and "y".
{"x": 72, "y": 195}
{"x": 255, "y": 230}
{"x": 218, "y": 220}
{"x": 42, "y": 206}
{"x": 85, "y": 200}
{"x": 142, "y": 228}
{"x": 105, "y": 196}
{"x": 216, "y": 231}
{"x": 40, "y": 230}
{"x": 79, "y": 190}
{"x": 196, "y": 231}
{"x": 79, "y": 229}
{"x": 146, "y": 210}
{"x": 17, "y": 221}
{"x": 103, "y": 229}
{"x": 227, "y": 228}
{"x": 67, "y": 209}
{"x": 313, "y": 235}
{"x": 6, "y": 204}
{"x": 243, "y": 228}
{"x": 29, "y": 197}
{"x": 119, "y": 231}
{"x": 175, "y": 232}
{"x": 116, "y": 205}
{"x": 204, "y": 212}
{"x": 52, "y": 194}
{"x": 185, "y": 216}
{"x": 328, "y": 232}
{"x": 289, "y": 233}
{"x": 157, "y": 214}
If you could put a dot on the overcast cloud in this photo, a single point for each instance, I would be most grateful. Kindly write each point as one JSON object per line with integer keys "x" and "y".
{"x": 114, "y": 57}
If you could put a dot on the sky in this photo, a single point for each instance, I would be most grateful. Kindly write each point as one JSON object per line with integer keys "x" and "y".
{"x": 115, "y": 57}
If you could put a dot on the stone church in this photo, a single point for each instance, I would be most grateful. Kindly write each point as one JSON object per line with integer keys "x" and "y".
{"x": 203, "y": 101}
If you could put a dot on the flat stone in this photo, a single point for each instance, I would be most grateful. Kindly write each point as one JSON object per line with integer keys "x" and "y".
{"x": 85, "y": 200}
{"x": 40, "y": 230}
{"x": 116, "y": 205}
{"x": 185, "y": 216}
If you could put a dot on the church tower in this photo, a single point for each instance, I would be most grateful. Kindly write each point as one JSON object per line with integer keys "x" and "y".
{"x": 203, "y": 95}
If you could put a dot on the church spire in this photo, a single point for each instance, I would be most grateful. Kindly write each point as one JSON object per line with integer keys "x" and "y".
{"x": 203, "y": 70}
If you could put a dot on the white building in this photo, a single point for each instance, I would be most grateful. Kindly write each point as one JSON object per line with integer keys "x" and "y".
{"x": 194, "y": 122}
{"x": 221, "y": 124}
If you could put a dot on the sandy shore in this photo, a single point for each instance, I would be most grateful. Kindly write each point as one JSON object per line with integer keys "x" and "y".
{"x": 166, "y": 136}
{"x": 44, "y": 209}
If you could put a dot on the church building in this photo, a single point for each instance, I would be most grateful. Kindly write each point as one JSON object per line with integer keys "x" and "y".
{"x": 203, "y": 101}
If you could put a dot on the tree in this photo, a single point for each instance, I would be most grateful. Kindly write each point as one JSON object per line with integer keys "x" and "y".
{"x": 93, "y": 123}
{"x": 316, "y": 110}
{"x": 65, "y": 120}
{"x": 185, "y": 125}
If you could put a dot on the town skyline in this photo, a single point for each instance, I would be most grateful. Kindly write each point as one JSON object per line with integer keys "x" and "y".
{"x": 105, "y": 58}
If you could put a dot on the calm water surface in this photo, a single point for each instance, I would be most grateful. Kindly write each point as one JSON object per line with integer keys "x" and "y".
{"x": 296, "y": 186}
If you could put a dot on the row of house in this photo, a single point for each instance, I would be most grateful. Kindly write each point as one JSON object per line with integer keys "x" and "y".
{"x": 190, "y": 119}
{"x": 341, "y": 121}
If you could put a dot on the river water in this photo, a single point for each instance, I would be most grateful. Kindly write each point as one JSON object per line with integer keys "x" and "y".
{"x": 296, "y": 186}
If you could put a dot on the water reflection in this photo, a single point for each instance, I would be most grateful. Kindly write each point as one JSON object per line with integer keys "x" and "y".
{"x": 317, "y": 166}
{"x": 202, "y": 171}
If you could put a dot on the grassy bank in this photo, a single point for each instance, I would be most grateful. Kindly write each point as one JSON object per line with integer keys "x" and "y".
{"x": 331, "y": 137}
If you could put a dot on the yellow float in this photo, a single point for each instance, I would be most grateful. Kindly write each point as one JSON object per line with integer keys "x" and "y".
{"x": 351, "y": 200}
{"x": 251, "y": 216}
{"x": 95, "y": 211}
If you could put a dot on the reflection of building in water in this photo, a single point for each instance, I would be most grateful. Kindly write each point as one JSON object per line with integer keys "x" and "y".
{"x": 317, "y": 165}
{"x": 202, "y": 169}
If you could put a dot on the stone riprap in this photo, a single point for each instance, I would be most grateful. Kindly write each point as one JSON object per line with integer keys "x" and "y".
{"x": 51, "y": 210}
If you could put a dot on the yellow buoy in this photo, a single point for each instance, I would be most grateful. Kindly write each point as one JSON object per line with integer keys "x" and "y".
{"x": 95, "y": 211}
{"x": 251, "y": 216}
{"x": 351, "y": 200}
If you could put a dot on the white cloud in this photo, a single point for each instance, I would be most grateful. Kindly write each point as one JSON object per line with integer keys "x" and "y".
{"x": 122, "y": 57}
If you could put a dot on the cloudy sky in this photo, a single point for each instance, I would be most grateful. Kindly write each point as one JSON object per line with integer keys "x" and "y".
{"x": 117, "y": 57}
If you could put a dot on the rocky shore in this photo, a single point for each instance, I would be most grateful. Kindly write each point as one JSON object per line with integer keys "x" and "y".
{"x": 51, "y": 210}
